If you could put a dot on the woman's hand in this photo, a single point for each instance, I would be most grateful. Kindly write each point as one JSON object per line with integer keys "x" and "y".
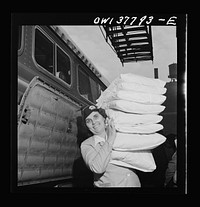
{"x": 111, "y": 131}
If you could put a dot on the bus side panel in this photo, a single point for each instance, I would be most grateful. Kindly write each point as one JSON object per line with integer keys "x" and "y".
{"x": 47, "y": 135}
{"x": 50, "y": 126}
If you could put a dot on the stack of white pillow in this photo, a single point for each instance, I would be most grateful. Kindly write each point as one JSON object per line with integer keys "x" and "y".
{"x": 134, "y": 102}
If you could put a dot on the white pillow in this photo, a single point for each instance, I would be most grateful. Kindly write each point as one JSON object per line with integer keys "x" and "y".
{"x": 134, "y": 142}
{"x": 133, "y": 107}
{"x": 134, "y": 85}
{"x": 130, "y": 77}
{"x": 142, "y": 129}
{"x": 120, "y": 117}
{"x": 139, "y": 97}
{"x": 121, "y": 85}
{"x": 140, "y": 160}
{"x": 130, "y": 95}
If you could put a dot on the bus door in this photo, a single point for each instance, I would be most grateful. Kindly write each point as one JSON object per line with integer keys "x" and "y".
{"x": 47, "y": 134}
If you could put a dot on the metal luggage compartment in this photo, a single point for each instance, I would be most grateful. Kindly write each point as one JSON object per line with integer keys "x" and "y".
{"x": 47, "y": 134}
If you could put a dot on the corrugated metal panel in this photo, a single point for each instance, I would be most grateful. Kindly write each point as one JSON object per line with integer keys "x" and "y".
{"x": 47, "y": 134}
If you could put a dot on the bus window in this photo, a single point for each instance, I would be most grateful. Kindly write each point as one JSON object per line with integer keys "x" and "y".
{"x": 43, "y": 51}
{"x": 63, "y": 66}
{"x": 87, "y": 87}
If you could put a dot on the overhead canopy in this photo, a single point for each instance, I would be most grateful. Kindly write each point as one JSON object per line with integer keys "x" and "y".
{"x": 131, "y": 43}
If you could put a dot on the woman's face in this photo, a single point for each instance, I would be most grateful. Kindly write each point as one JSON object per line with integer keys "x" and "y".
{"x": 95, "y": 123}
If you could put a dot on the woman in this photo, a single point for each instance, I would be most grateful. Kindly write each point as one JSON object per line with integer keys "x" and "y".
{"x": 96, "y": 152}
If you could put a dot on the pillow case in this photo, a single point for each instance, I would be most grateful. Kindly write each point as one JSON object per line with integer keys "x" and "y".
{"x": 141, "y": 129}
{"x": 133, "y": 107}
{"x": 134, "y": 142}
{"x": 130, "y": 77}
{"x": 140, "y": 160}
{"x": 121, "y": 85}
{"x": 146, "y": 98}
{"x": 139, "y": 97}
{"x": 131, "y": 119}
{"x": 134, "y": 88}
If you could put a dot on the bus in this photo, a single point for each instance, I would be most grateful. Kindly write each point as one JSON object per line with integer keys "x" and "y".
{"x": 55, "y": 80}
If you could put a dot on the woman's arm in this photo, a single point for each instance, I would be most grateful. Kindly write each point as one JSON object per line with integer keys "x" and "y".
{"x": 97, "y": 157}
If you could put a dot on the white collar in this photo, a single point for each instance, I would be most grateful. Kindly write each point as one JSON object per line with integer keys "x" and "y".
{"x": 98, "y": 139}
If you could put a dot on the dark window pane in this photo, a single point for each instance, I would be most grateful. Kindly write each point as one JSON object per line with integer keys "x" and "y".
{"x": 87, "y": 86}
{"x": 63, "y": 66}
{"x": 43, "y": 51}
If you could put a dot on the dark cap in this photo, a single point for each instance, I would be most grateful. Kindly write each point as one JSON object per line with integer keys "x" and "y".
{"x": 89, "y": 109}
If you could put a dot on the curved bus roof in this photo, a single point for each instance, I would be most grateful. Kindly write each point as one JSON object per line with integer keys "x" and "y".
{"x": 70, "y": 43}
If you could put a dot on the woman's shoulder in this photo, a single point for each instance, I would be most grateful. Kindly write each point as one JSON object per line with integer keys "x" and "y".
{"x": 88, "y": 141}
